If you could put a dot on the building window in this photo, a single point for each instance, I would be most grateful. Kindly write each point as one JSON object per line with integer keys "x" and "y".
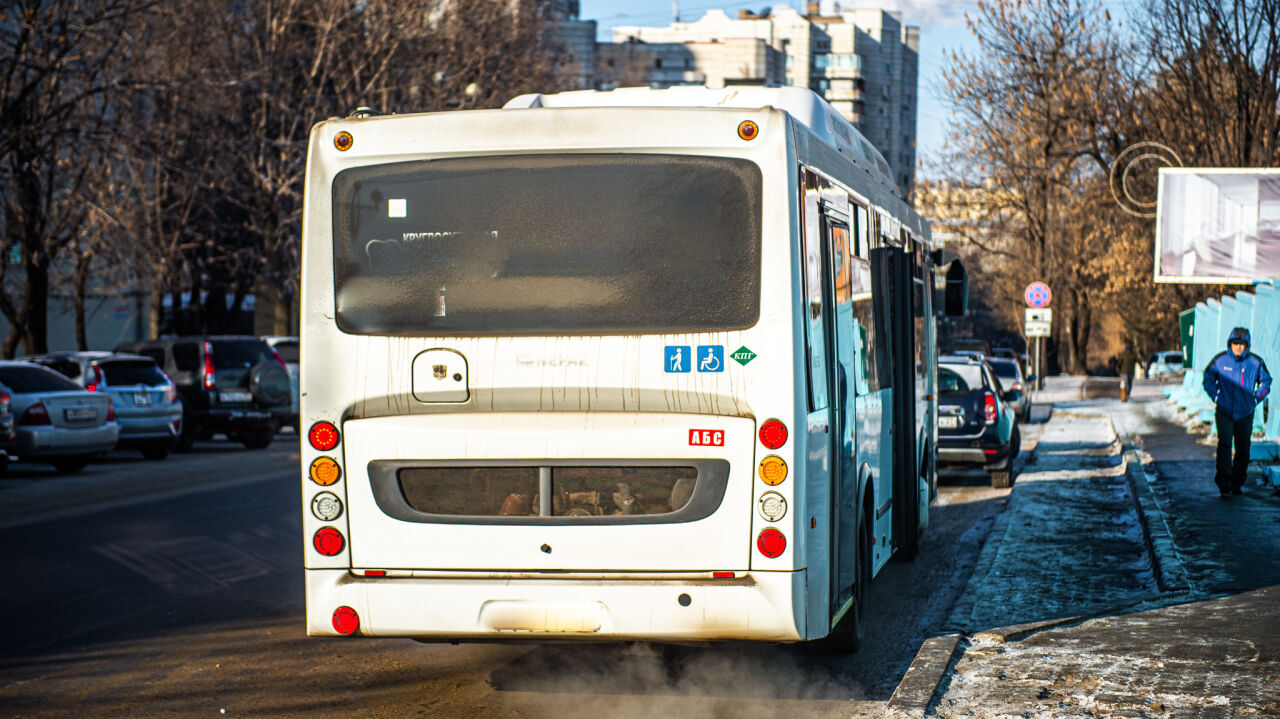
{"x": 657, "y": 62}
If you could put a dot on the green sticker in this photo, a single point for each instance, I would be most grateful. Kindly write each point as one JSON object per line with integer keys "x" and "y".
{"x": 743, "y": 355}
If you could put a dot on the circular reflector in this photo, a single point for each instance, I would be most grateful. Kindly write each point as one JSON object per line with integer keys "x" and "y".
{"x": 325, "y": 472}
{"x": 343, "y": 141}
{"x": 345, "y": 621}
{"x": 323, "y": 436}
{"x": 328, "y": 541}
{"x": 773, "y": 434}
{"x": 771, "y": 543}
{"x": 773, "y": 470}
{"x": 747, "y": 130}
{"x": 773, "y": 507}
{"x": 327, "y": 507}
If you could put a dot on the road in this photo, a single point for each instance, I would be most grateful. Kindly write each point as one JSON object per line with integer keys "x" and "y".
{"x": 174, "y": 588}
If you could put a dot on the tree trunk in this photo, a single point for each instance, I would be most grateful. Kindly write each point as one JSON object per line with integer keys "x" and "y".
{"x": 80, "y": 293}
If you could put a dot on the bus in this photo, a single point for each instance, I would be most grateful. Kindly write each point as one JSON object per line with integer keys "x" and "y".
{"x": 640, "y": 364}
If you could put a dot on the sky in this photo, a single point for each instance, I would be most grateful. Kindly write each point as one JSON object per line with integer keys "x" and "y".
{"x": 942, "y": 31}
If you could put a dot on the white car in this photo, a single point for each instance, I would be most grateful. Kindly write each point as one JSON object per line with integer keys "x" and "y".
{"x": 1165, "y": 364}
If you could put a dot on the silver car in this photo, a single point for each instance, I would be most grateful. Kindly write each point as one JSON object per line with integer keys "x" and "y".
{"x": 148, "y": 409}
{"x": 58, "y": 421}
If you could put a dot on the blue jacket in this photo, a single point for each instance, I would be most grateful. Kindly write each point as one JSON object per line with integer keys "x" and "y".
{"x": 1237, "y": 384}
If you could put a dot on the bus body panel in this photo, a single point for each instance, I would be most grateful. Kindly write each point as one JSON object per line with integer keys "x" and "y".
{"x": 623, "y": 606}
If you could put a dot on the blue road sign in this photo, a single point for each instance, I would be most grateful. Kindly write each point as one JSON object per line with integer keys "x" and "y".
{"x": 710, "y": 358}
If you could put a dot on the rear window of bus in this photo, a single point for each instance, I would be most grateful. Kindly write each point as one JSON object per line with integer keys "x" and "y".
{"x": 548, "y": 244}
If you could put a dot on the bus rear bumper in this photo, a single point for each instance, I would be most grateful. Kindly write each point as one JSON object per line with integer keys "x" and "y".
{"x": 751, "y": 606}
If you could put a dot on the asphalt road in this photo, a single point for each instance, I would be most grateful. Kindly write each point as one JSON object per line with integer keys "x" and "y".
{"x": 174, "y": 589}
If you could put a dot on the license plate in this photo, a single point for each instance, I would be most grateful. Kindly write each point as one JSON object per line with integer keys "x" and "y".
{"x": 235, "y": 396}
{"x": 80, "y": 414}
{"x": 948, "y": 422}
{"x": 142, "y": 399}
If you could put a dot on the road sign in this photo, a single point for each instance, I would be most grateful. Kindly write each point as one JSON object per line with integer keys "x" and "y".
{"x": 1038, "y": 295}
{"x": 1037, "y": 329}
{"x": 1039, "y": 315}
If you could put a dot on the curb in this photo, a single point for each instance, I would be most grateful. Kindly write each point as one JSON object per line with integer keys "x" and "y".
{"x": 1167, "y": 566}
{"x": 915, "y": 692}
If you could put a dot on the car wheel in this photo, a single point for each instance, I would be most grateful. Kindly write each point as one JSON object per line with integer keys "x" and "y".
{"x": 72, "y": 464}
{"x": 269, "y": 384}
{"x": 1001, "y": 478}
{"x": 157, "y": 450}
{"x": 258, "y": 440}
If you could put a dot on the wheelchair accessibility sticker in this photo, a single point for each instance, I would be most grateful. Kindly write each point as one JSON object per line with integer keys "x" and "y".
{"x": 679, "y": 358}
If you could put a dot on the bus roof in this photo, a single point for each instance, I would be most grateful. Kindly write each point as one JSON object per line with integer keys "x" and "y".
{"x": 807, "y": 107}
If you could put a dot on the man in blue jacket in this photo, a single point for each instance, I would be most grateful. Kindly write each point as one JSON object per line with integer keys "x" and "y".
{"x": 1237, "y": 381}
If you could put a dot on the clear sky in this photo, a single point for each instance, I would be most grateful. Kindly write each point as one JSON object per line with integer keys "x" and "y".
{"x": 942, "y": 30}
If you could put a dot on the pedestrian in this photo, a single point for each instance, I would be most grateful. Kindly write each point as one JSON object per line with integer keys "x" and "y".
{"x": 1128, "y": 359}
{"x": 1237, "y": 380}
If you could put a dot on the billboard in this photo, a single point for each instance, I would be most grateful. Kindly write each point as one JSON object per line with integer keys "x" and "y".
{"x": 1218, "y": 225}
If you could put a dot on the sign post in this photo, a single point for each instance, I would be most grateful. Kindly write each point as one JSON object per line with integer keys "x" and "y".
{"x": 1039, "y": 321}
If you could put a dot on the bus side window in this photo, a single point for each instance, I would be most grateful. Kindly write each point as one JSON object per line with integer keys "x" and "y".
{"x": 814, "y": 312}
{"x": 861, "y": 248}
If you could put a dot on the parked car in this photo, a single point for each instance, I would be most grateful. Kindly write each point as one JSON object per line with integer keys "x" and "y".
{"x": 232, "y": 385}
{"x": 148, "y": 409}
{"x": 287, "y": 348}
{"x": 1009, "y": 375}
{"x": 1165, "y": 364}
{"x": 8, "y": 439}
{"x": 976, "y": 423}
{"x": 59, "y": 421}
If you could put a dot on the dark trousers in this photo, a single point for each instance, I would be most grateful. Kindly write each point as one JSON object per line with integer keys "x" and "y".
{"x": 1231, "y": 474}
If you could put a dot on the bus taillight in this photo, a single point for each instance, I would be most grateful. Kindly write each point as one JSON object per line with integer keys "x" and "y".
{"x": 989, "y": 407}
{"x": 328, "y": 541}
{"x": 773, "y": 434}
{"x": 323, "y": 436}
{"x": 773, "y": 470}
{"x": 345, "y": 621}
{"x": 771, "y": 543}
{"x": 325, "y": 472}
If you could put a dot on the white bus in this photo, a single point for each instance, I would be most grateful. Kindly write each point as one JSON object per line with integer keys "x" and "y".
{"x": 628, "y": 365}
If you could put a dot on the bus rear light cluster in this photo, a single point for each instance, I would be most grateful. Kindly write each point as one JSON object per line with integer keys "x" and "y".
{"x": 772, "y": 470}
{"x": 771, "y": 543}
{"x": 345, "y": 621}
{"x": 989, "y": 408}
{"x": 773, "y": 434}
{"x": 773, "y": 506}
{"x": 323, "y": 436}
{"x": 328, "y": 541}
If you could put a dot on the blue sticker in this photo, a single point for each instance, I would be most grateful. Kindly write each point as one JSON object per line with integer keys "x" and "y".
{"x": 678, "y": 359}
{"x": 710, "y": 358}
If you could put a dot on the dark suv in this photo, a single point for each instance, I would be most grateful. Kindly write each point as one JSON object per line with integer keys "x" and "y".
{"x": 976, "y": 422}
{"x": 237, "y": 386}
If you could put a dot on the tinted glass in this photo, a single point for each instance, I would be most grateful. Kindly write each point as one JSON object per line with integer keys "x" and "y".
{"x": 240, "y": 354}
{"x": 548, "y": 244}
{"x": 619, "y": 491}
{"x": 1006, "y": 370}
{"x": 472, "y": 491}
{"x": 123, "y": 373}
{"x": 186, "y": 356}
{"x": 67, "y": 368}
{"x": 35, "y": 379}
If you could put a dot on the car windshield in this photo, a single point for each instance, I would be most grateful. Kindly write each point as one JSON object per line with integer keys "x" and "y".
{"x": 954, "y": 379}
{"x": 132, "y": 372}
{"x": 24, "y": 380}
{"x": 1006, "y": 369}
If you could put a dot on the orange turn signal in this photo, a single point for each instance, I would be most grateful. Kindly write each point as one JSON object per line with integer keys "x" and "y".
{"x": 325, "y": 472}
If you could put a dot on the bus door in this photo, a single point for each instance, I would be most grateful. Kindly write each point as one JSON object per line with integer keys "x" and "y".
{"x": 838, "y": 251}
{"x": 892, "y": 272}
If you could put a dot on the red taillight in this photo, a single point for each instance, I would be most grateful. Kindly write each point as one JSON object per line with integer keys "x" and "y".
{"x": 328, "y": 541}
{"x": 111, "y": 410}
{"x": 279, "y": 360}
{"x": 5, "y": 399}
{"x": 345, "y": 621}
{"x": 773, "y": 434}
{"x": 771, "y": 543}
{"x": 171, "y": 393}
{"x": 323, "y": 436}
{"x": 210, "y": 382}
{"x": 989, "y": 408}
{"x": 36, "y": 414}
{"x": 97, "y": 382}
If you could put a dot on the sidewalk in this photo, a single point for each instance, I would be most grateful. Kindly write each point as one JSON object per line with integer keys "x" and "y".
{"x": 1117, "y": 583}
